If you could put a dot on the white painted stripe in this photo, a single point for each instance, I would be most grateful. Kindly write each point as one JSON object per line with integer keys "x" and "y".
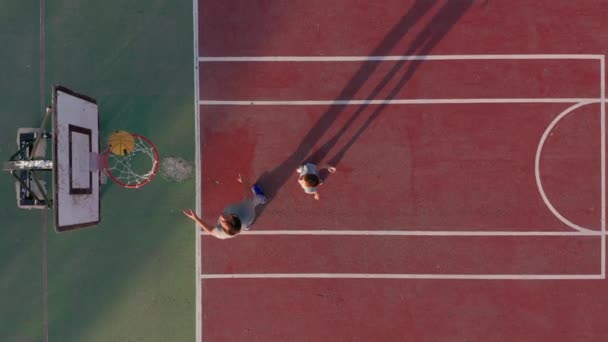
{"x": 206, "y": 59}
{"x": 418, "y": 233}
{"x": 393, "y": 101}
{"x": 198, "y": 322}
{"x": 44, "y": 237}
{"x": 539, "y": 184}
{"x": 603, "y": 161}
{"x": 403, "y": 276}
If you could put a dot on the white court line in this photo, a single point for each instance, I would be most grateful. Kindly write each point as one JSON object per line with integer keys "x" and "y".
{"x": 402, "y": 276}
{"x": 198, "y": 323}
{"x": 397, "y": 101}
{"x": 419, "y": 233}
{"x": 601, "y": 233}
{"x": 206, "y": 59}
{"x": 44, "y": 237}
{"x": 603, "y": 161}
{"x": 539, "y": 149}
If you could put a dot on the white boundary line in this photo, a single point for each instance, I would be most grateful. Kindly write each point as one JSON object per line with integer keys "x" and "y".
{"x": 207, "y": 59}
{"x": 420, "y": 233}
{"x": 602, "y": 101}
{"x": 198, "y": 323}
{"x": 395, "y": 101}
{"x": 44, "y": 237}
{"x": 539, "y": 149}
{"x": 603, "y": 161}
{"x": 403, "y": 276}
{"x": 413, "y": 276}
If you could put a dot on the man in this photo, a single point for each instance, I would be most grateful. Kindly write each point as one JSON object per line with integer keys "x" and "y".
{"x": 310, "y": 179}
{"x": 235, "y": 216}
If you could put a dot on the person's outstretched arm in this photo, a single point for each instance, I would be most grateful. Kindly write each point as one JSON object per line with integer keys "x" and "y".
{"x": 329, "y": 168}
{"x": 204, "y": 226}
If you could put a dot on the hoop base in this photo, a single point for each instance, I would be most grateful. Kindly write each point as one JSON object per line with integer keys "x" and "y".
{"x": 28, "y": 200}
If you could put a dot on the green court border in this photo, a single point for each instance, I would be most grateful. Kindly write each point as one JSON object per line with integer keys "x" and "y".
{"x": 29, "y": 26}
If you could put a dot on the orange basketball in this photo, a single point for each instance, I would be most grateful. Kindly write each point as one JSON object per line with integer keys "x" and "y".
{"x": 121, "y": 143}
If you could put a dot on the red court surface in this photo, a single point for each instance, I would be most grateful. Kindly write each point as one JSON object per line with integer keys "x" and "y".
{"x": 469, "y": 201}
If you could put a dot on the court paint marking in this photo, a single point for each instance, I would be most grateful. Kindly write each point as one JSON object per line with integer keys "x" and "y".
{"x": 420, "y": 233}
{"x": 578, "y": 102}
{"x": 197, "y": 248}
{"x": 403, "y": 276}
{"x": 208, "y": 59}
{"x": 603, "y": 160}
{"x": 42, "y": 85}
{"x": 413, "y": 276}
{"x": 537, "y": 167}
{"x": 396, "y": 101}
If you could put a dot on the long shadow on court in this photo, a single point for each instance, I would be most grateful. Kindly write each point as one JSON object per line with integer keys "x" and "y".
{"x": 424, "y": 42}
{"x": 443, "y": 21}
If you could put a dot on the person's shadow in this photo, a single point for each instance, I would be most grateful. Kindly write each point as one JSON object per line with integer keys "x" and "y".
{"x": 445, "y": 18}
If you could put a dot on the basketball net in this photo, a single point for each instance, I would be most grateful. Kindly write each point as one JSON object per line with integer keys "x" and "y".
{"x": 136, "y": 168}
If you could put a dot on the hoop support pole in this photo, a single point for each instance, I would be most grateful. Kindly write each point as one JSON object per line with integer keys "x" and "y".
{"x": 46, "y": 198}
{"x": 47, "y": 114}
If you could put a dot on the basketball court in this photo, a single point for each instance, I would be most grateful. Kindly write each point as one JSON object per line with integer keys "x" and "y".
{"x": 469, "y": 199}
{"x": 469, "y": 202}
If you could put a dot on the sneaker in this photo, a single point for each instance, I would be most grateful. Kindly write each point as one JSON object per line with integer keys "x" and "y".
{"x": 258, "y": 191}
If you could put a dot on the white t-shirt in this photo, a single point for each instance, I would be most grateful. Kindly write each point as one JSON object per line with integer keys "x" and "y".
{"x": 219, "y": 233}
{"x": 244, "y": 210}
{"x": 309, "y": 169}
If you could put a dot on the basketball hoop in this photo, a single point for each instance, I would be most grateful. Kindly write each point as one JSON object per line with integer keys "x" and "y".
{"x": 135, "y": 167}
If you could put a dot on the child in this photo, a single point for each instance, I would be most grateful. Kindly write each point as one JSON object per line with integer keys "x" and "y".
{"x": 235, "y": 216}
{"x": 309, "y": 178}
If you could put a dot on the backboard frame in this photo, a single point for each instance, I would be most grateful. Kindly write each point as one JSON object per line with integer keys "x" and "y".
{"x": 59, "y": 187}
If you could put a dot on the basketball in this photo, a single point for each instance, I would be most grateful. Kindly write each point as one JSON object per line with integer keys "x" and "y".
{"x": 121, "y": 143}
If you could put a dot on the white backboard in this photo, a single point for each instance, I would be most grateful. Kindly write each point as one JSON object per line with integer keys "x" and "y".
{"x": 76, "y": 141}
